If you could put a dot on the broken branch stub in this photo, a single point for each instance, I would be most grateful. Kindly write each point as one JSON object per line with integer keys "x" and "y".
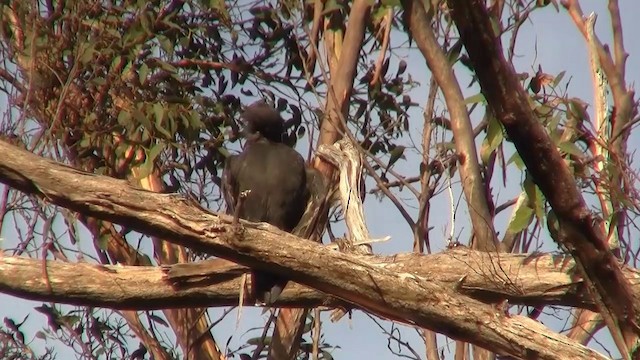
{"x": 346, "y": 157}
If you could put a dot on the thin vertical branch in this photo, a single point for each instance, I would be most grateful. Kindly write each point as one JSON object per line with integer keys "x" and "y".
{"x": 472, "y": 183}
{"x": 618, "y": 42}
{"x": 421, "y": 230}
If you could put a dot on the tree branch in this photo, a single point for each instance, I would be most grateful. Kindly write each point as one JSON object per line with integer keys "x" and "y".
{"x": 525, "y": 280}
{"x": 394, "y": 295}
{"x": 579, "y": 230}
{"x": 472, "y": 183}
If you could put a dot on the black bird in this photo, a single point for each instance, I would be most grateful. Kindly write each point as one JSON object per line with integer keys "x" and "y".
{"x": 276, "y": 177}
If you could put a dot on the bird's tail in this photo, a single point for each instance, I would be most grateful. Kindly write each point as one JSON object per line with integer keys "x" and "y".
{"x": 267, "y": 287}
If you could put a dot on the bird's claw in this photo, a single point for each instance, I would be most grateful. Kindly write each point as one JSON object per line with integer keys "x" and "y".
{"x": 235, "y": 224}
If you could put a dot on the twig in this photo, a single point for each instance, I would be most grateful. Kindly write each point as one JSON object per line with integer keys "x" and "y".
{"x": 386, "y": 23}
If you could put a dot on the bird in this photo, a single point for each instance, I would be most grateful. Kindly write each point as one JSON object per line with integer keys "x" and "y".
{"x": 274, "y": 180}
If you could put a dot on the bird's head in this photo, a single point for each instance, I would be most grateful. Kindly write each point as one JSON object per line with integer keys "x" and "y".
{"x": 262, "y": 120}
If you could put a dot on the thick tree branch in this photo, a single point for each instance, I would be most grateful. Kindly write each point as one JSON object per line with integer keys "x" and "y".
{"x": 580, "y": 233}
{"x": 523, "y": 280}
{"x": 137, "y": 287}
{"x": 394, "y": 295}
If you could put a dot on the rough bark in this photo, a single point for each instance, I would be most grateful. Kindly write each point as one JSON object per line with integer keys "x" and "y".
{"x": 391, "y": 294}
{"x": 542, "y": 279}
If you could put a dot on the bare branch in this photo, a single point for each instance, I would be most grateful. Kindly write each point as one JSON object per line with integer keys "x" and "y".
{"x": 344, "y": 155}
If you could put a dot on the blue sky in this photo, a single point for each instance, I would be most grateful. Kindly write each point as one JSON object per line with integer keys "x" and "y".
{"x": 558, "y": 47}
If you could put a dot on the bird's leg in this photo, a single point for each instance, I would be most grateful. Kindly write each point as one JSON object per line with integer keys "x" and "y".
{"x": 236, "y": 213}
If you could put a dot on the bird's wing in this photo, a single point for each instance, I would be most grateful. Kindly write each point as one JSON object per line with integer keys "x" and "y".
{"x": 229, "y": 183}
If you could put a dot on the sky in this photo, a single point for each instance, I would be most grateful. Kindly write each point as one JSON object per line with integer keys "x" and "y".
{"x": 549, "y": 39}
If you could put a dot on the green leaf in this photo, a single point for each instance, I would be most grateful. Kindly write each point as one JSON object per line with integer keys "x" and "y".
{"x": 477, "y": 98}
{"x": 543, "y": 110}
{"x": 529, "y": 187}
{"x": 538, "y": 204}
{"x": 333, "y": 5}
{"x": 495, "y": 133}
{"x": 553, "y": 225}
{"x": 142, "y": 118}
{"x": 516, "y": 160}
{"x": 325, "y": 355}
{"x": 98, "y": 81}
{"x": 144, "y": 169}
{"x": 555, "y": 121}
{"x": 143, "y": 72}
{"x": 158, "y": 111}
{"x": 115, "y": 62}
{"x": 558, "y": 78}
{"x": 395, "y": 154}
{"x": 70, "y": 319}
{"x": 454, "y": 52}
{"x": 485, "y": 151}
{"x": 259, "y": 340}
{"x": 124, "y": 118}
{"x": 160, "y": 127}
{"x": 578, "y": 108}
{"x": 378, "y": 15}
{"x": 90, "y": 119}
{"x": 570, "y": 148}
{"x": 220, "y": 5}
{"x": 86, "y": 53}
{"x": 521, "y": 218}
{"x": 167, "y": 67}
{"x": 495, "y": 24}
{"x": 535, "y": 196}
{"x": 392, "y": 3}
{"x": 195, "y": 121}
{"x": 103, "y": 242}
{"x": 153, "y": 153}
{"x": 224, "y": 152}
{"x": 166, "y": 44}
{"x": 146, "y": 22}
